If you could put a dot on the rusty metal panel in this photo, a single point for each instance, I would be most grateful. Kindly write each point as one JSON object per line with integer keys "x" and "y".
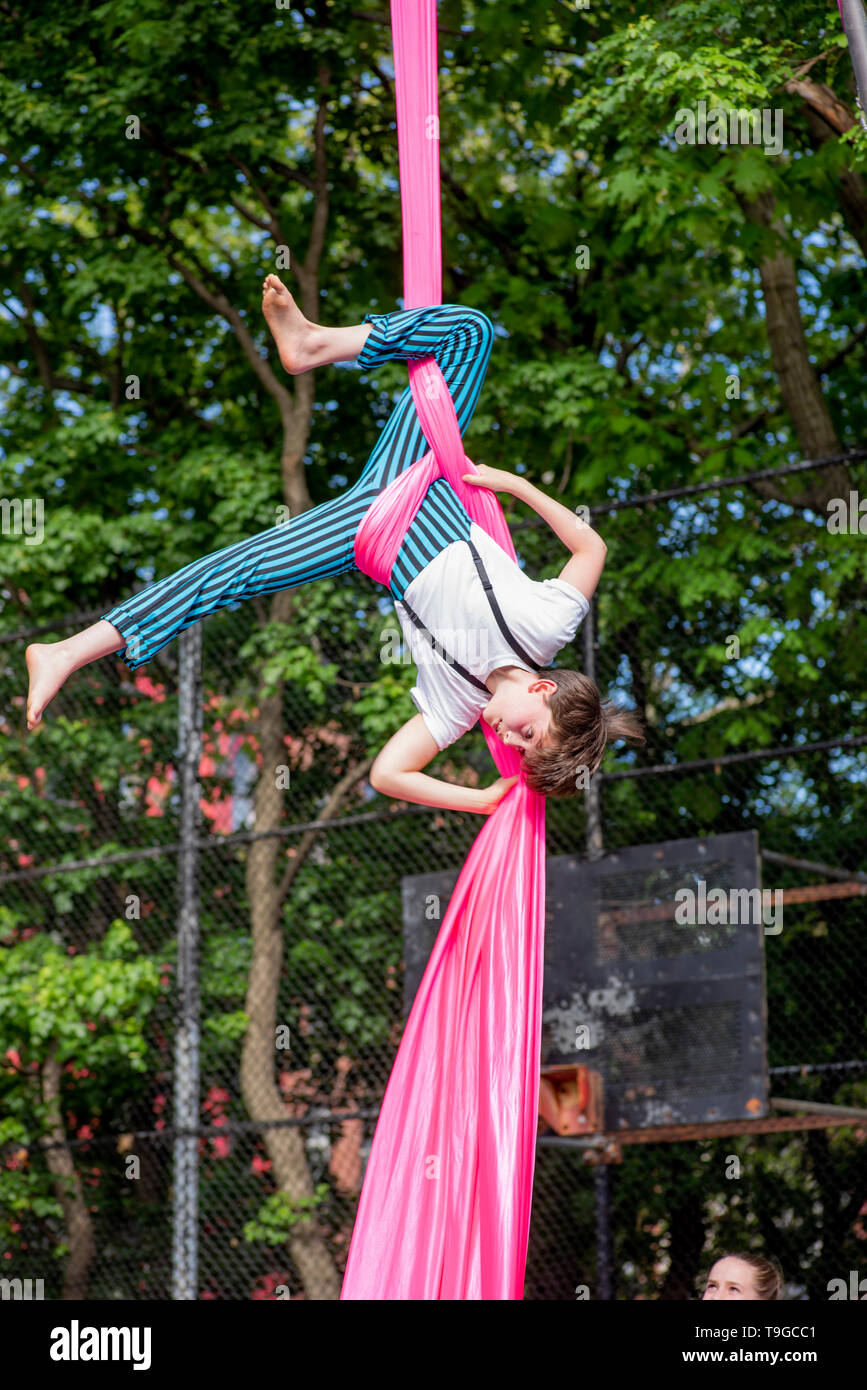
{"x": 670, "y": 1012}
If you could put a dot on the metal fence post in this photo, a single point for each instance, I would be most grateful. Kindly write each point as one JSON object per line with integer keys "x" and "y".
{"x": 604, "y": 1233}
{"x": 592, "y": 795}
{"x": 595, "y": 849}
{"x": 186, "y": 1196}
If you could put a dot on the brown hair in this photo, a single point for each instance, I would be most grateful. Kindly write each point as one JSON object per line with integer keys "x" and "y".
{"x": 767, "y": 1273}
{"x": 582, "y": 723}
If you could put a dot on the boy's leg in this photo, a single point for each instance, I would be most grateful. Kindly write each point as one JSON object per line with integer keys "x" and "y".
{"x": 303, "y": 345}
{"x": 319, "y": 542}
{"x": 460, "y": 339}
{"x": 49, "y": 664}
{"x": 313, "y": 545}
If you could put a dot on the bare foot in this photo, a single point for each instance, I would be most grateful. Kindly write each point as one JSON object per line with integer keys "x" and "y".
{"x": 292, "y": 331}
{"x": 48, "y": 668}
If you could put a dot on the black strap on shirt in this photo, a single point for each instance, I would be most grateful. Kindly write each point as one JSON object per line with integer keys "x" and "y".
{"x": 440, "y": 651}
{"x": 498, "y": 615}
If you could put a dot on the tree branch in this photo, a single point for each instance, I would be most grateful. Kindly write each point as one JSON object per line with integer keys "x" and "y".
{"x": 294, "y": 174}
{"x": 724, "y": 706}
{"x": 273, "y": 224}
{"x": 40, "y": 352}
{"x": 503, "y": 244}
{"x": 821, "y": 99}
{"x": 57, "y": 383}
{"x": 828, "y": 118}
{"x": 215, "y": 300}
{"x": 328, "y": 812}
{"x": 833, "y": 362}
{"x": 737, "y": 432}
{"x": 309, "y": 277}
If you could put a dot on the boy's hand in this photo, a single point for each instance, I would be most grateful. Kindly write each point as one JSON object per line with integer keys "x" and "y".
{"x": 490, "y": 797}
{"x": 497, "y": 479}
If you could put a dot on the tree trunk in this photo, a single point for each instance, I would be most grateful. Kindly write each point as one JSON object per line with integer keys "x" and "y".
{"x": 285, "y": 1144}
{"x": 261, "y": 1093}
{"x": 799, "y": 382}
{"x": 67, "y": 1185}
{"x": 827, "y": 118}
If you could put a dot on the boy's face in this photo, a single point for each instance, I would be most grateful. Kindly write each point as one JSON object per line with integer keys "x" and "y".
{"x": 731, "y": 1278}
{"x": 518, "y": 713}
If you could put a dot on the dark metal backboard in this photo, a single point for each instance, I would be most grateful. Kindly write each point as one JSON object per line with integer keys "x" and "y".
{"x": 671, "y": 1013}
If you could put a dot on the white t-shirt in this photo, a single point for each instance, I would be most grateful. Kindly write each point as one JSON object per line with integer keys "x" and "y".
{"x": 450, "y": 599}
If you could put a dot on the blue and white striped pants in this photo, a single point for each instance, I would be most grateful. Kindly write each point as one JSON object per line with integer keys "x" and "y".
{"x": 319, "y": 542}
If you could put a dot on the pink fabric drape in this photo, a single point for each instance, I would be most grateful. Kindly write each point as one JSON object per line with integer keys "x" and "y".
{"x": 445, "y": 1205}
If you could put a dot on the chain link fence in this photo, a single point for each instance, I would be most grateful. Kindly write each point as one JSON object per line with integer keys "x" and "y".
{"x": 297, "y": 976}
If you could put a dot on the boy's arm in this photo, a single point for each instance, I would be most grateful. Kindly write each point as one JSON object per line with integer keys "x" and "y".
{"x": 396, "y": 772}
{"x": 587, "y": 546}
{"x": 585, "y": 567}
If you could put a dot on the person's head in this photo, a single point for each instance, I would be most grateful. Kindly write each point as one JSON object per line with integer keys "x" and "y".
{"x": 559, "y": 723}
{"x": 745, "y": 1276}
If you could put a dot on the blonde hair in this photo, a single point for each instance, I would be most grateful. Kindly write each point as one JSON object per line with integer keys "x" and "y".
{"x": 767, "y": 1274}
{"x": 581, "y": 726}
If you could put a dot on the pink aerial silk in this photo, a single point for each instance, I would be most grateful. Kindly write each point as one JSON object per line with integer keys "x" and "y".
{"x": 445, "y": 1205}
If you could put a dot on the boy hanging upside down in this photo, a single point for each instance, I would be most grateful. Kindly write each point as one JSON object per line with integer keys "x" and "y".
{"x": 555, "y": 718}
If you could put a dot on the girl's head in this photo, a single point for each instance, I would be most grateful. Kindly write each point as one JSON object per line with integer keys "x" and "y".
{"x": 744, "y": 1276}
{"x": 560, "y": 724}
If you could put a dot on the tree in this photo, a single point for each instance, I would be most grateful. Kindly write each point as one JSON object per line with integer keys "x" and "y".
{"x": 668, "y": 313}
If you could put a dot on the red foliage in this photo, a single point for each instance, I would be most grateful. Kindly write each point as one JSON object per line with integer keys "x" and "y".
{"x": 268, "y": 1285}
{"x": 145, "y": 686}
